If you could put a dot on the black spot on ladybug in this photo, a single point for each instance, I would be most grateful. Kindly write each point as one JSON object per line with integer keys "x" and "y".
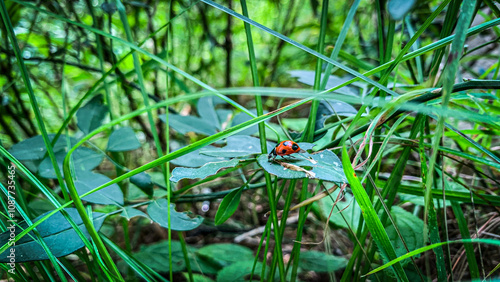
{"x": 283, "y": 151}
{"x": 295, "y": 147}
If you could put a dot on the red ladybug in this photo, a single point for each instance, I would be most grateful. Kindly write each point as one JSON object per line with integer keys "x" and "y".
{"x": 284, "y": 148}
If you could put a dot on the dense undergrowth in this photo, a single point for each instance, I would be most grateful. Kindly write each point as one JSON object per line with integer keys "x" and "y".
{"x": 394, "y": 102}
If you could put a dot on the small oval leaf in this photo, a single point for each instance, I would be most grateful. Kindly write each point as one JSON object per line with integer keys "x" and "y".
{"x": 156, "y": 256}
{"x": 86, "y": 181}
{"x": 123, "y": 139}
{"x": 57, "y": 233}
{"x": 195, "y": 159}
{"x": 92, "y": 114}
{"x": 185, "y": 124}
{"x": 143, "y": 181}
{"x": 180, "y": 221}
{"x": 228, "y": 206}
{"x": 399, "y": 8}
{"x": 83, "y": 159}
{"x": 321, "y": 262}
{"x": 240, "y": 272}
{"x": 324, "y": 165}
{"x": 208, "y": 169}
{"x": 237, "y": 146}
{"x": 130, "y": 212}
{"x": 34, "y": 149}
{"x": 206, "y": 109}
{"x": 225, "y": 254}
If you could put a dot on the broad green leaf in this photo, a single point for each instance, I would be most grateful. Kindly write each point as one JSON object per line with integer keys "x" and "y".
{"x": 130, "y": 212}
{"x": 306, "y": 146}
{"x": 84, "y": 159}
{"x": 185, "y": 124}
{"x": 156, "y": 256}
{"x": 197, "y": 277}
{"x": 228, "y": 206}
{"x": 195, "y": 159}
{"x": 143, "y": 181}
{"x": 237, "y": 146}
{"x": 92, "y": 115}
{"x": 224, "y": 117}
{"x": 86, "y": 181}
{"x": 399, "y": 8}
{"x": 410, "y": 227}
{"x": 57, "y": 233}
{"x": 34, "y": 149}
{"x": 241, "y": 118}
{"x": 201, "y": 264}
{"x": 123, "y": 139}
{"x": 321, "y": 262}
{"x": 347, "y": 206}
{"x": 158, "y": 211}
{"x": 240, "y": 271}
{"x": 208, "y": 169}
{"x": 324, "y": 165}
{"x": 225, "y": 254}
{"x": 206, "y": 109}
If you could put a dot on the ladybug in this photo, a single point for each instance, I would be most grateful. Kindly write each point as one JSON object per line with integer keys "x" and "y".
{"x": 284, "y": 148}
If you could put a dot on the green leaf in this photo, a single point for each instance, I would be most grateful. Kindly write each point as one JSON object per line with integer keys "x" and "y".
{"x": 156, "y": 256}
{"x": 228, "y": 206}
{"x": 158, "y": 212}
{"x": 225, "y": 254}
{"x": 130, "y": 212}
{"x": 34, "y": 149}
{"x": 123, "y": 139}
{"x": 410, "y": 227}
{"x": 237, "y": 146}
{"x": 86, "y": 181}
{"x": 185, "y": 124}
{"x": 399, "y": 8}
{"x": 241, "y": 118}
{"x": 240, "y": 271}
{"x": 143, "y": 181}
{"x": 84, "y": 159}
{"x": 195, "y": 159}
{"x": 321, "y": 262}
{"x": 91, "y": 115}
{"x": 324, "y": 165}
{"x": 329, "y": 107}
{"x": 200, "y": 264}
{"x": 57, "y": 233}
{"x": 197, "y": 277}
{"x": 206, "y": 109}
{"x": 208, "y": 169}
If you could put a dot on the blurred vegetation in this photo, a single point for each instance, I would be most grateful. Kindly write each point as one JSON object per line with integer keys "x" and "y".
{"x": 398, "y": 97}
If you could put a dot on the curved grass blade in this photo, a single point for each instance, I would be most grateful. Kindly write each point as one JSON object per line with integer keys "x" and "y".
{"x": 430, "y": 247}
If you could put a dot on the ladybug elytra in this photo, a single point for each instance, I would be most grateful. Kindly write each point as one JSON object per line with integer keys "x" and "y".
{"x": 284, "y": 148}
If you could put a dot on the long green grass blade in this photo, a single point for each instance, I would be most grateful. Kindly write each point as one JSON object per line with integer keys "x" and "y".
{"x": 371, "y": 218}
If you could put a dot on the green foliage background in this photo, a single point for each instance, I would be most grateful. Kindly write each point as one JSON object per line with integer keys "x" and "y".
{"x": 403, "y": 92}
